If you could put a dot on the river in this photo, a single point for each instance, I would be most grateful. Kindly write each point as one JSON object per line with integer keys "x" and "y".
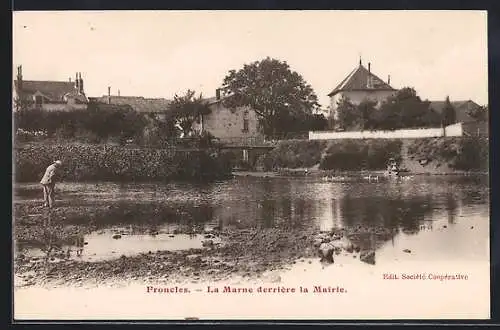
{"x": 440, "y": 223}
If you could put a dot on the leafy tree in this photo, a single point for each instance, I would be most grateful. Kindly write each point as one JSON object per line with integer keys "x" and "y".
{"x": 367, "y": 110}
{"x": 317, "y": 122}
{"x": 404, "y": 110}
{"x": 348, "y": 115}
{"x": 186, "y": 110}
{"x": 271, "y": 89}
{"x": 449, "y": 114}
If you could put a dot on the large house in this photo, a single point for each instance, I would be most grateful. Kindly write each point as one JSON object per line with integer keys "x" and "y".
{"x": 361, "y": 84}
{"x": 49, "y": 95}
{"x": 470, "y": 125}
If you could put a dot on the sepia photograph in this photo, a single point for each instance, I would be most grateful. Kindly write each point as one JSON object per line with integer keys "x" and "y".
{"x": 250, "y": 165}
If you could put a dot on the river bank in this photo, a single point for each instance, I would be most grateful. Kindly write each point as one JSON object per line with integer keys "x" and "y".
{"x": 464, "y": 155}
{"x": 223, "y": 253}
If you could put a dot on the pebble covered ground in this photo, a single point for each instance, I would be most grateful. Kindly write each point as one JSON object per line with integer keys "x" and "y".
{"x": 225, "y": 252}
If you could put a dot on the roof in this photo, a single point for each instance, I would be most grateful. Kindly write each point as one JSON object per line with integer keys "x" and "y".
{"x": 358, "y": 80}
{"x": 138, "y": 103}
{"x": 53, "y": 90}
{"x": 462, "y": 109}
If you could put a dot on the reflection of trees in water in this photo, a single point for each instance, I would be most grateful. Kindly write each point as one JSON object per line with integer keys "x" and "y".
{"x": 375, "y": 211}
{"x": 451, "y": 207}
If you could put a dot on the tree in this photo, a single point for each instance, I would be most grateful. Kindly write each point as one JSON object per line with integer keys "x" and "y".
{"x": 348, "y": 115}
{"x": 449, "y": 114}
{"x": 186, "y": 110}
{"x": 479, "y": 113}
{"x": 367, "y": 111}
{"x": 405, "y": 110}
{"x": 271, "y": 89}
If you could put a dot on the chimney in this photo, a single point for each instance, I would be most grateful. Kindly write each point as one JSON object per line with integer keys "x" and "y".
{"x": 80, "y": 83}
{"x": 388, "y": 79}
{"x": 69, "y": 79}
{"x": 217, "y": 93}
{"x": 118, "y": 92}
{"x": 369, "y": 67}
{"x": 77, "y": 83}
{"x": 109, "y": 95}
{"x": 20, "y": 77}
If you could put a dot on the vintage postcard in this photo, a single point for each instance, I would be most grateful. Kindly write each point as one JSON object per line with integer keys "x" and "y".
{"x": 225, "y": 165}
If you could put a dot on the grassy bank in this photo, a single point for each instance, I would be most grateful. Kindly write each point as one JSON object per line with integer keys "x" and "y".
{"x": 455, "y": 154}
{"x": 115, "y": 163}
{"x": 331, "y": 155}
{"x": 465, "y": 154}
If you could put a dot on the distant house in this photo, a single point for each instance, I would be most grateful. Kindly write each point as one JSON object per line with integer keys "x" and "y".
{"x": 236, "y": 126}
{"x": 470, "y": 125}
{"x": 360, "y": 85}
{"x": 50, "y": 95}
{"x": 153, "y": 106}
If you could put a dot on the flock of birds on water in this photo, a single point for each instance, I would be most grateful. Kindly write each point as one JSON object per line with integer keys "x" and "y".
{"x": 369, "y": 178}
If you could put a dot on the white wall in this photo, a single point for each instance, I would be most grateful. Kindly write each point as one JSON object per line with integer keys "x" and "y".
{"x": 452, "y": 130}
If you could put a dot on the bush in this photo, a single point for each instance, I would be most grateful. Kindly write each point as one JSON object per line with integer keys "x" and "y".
{"x": 360, "y": 154}
{"x": 464, "y": 153}
{"x": 292, "y": 154}
{"x": 114, "y": 163}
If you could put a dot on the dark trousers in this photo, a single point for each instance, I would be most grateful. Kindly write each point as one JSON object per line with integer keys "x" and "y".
{"x": 48, "y": 194}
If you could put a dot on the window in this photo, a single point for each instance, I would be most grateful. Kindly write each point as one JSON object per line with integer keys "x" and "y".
{"x": 245, "y": 121}
{"x": 38, "y": 100}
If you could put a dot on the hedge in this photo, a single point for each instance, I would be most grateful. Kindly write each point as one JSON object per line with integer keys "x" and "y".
{"x": 115, "y": 163}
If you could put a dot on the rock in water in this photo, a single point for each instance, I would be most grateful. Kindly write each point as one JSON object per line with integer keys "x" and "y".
{"x": 193, "y": 258}
{"x": 326, "y": 252}
{"x": 407, "y": 251}
{"x": 368, "y": 257}
{"x": 117, "y": 236}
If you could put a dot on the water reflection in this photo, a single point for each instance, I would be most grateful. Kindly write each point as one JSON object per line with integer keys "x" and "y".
{"x": 381, "y": 212}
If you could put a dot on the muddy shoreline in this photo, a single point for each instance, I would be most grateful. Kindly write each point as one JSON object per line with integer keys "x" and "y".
{"x": 227, "y": 252}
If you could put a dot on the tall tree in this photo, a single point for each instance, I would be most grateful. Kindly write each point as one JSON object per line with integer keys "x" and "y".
{"x": 270, "y": 88}
{"x": 186, "y": 110}
{"x": 449, "y": 114}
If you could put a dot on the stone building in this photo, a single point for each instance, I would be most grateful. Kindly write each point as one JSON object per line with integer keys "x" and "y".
{"x": 361, "y": 84}
{"x": 233, "y": 126}
{"x": 50, "y": 95}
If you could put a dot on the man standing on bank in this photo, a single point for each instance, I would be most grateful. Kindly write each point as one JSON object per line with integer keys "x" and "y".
{"x": 48, "y": 183}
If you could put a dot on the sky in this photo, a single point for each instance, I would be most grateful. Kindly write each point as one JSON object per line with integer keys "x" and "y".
{"x": 161, "y": 53}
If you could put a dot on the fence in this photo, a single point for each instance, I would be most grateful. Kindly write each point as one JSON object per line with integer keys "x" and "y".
{"x": 452, "y": 130}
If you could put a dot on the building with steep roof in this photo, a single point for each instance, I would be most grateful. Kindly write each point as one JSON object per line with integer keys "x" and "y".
{"x": 50, "y": 95}
{"x": 470, "y": 125}
{"x": 359, "y": 85}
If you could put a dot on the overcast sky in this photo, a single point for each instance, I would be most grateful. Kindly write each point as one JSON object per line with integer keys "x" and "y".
{"x": 159, "y": 53}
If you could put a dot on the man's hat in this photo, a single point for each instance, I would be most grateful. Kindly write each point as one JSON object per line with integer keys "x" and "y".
{"x": 58, "y": 162}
